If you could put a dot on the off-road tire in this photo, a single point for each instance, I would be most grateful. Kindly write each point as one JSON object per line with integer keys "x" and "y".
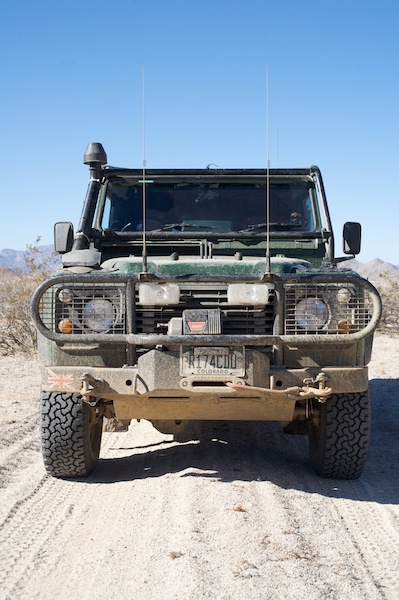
{"x": 71, "y": 432}
{"x": 338, "y": 444}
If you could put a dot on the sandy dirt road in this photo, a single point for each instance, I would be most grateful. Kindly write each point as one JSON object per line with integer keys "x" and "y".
{"x": 239, "y": 516}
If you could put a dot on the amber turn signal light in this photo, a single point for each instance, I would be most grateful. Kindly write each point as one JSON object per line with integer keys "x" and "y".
{"x": 65, "y": 326}
{"x": 344, "y": 326}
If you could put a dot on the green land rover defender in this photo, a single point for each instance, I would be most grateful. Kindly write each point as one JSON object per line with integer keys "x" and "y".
{"x": 204, "y": 295}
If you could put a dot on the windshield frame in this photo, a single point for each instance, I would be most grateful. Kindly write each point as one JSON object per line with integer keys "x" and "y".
{"x": 207, "y": 177}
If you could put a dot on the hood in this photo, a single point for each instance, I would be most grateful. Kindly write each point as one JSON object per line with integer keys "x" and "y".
{"x": 189, "y": 265}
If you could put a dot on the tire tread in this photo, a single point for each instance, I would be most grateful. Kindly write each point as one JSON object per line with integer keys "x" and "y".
{"x": 338, "y": 448}
{"x": 65, "y": 435}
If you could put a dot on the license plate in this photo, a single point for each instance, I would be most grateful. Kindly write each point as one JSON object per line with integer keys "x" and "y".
{"x": 199, "y": 360}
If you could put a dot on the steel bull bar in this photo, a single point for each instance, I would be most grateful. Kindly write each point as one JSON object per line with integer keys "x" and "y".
{"x": 152, "y": 340}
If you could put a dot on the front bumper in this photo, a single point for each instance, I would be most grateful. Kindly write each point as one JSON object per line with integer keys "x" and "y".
{"x": 154, "y": 390}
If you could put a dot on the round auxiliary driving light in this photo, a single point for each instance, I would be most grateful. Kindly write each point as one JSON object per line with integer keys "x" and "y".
{"x": 65, "y": 296}
{"x": 344, "y": 296}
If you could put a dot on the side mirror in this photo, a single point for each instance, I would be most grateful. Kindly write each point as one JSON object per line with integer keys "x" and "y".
{"x": 63, "y": 237}
{"x": 351, "y": 238}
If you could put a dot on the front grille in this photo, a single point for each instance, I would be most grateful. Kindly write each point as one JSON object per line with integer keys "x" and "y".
{"x": 236, "y": 320}
{"x": 326, "y": 308}
{"x": 70, "y": 306}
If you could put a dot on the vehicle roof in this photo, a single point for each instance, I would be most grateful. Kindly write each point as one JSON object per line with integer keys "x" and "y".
{"x": 110, "y": 171}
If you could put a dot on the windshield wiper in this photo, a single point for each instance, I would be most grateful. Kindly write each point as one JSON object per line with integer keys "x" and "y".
{"x": 179, "y": 227}
{"x": 272, "y": 225}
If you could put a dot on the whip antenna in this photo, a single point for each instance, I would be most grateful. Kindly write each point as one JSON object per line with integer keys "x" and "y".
{"x": 268, "y": 266}
{"x": 143, "y": 182}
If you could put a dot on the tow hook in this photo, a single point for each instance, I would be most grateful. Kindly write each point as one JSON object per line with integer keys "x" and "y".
{"x": 321, "y": 393}
{"x": 90, "y": 389}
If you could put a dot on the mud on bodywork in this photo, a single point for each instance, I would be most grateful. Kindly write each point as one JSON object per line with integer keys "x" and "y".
{"x": 200, "y": 324}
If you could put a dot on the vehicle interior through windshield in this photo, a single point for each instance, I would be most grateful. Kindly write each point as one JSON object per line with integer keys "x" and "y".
{"x": 215, "y": 207}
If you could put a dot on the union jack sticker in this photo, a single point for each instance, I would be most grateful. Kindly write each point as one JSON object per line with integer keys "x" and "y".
{"x": 60, "y": 381}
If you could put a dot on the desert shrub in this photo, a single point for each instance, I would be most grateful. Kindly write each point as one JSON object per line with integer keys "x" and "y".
{"x": 389, "y": 291}
{"x": 17, "y": 331}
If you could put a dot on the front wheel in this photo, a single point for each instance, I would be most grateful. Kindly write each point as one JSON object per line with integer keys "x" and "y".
{"x": 339, "y": 435}
{"x": 71, "y": 432}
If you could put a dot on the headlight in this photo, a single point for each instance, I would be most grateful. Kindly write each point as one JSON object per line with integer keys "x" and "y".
{"x": 248, "y": 294}
{"x": 98, "y": 315}
{"x": 311, "y": 314}
{"x": 159, "y": 294}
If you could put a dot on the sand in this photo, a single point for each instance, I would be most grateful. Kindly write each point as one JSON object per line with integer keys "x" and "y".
{"x": 241, "y": 516}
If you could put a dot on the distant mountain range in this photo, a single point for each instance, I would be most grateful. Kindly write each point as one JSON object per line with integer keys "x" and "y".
{"x": 16, "y": 259}
{"x": 377, "y": 271}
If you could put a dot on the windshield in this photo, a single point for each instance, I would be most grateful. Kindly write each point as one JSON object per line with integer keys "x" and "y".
{"x": 214, "y": 206}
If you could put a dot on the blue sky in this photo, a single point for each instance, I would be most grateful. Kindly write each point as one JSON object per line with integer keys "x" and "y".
{"x": 71, "y": 73}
